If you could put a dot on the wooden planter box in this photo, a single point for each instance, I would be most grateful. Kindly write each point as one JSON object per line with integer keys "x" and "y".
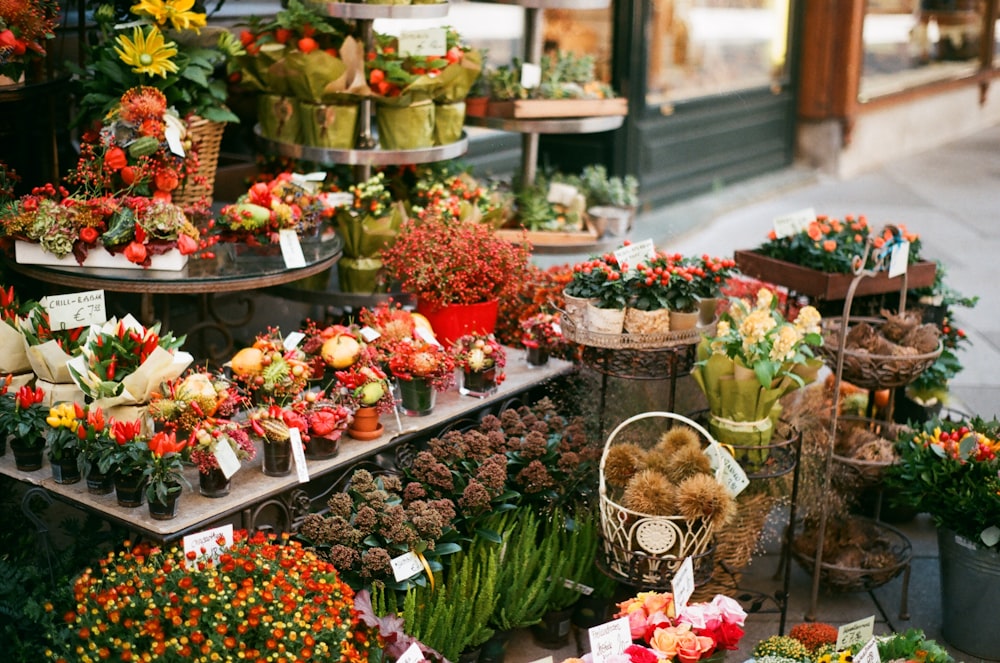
{"x": 550, "y": 237}
{"x": 826, "y": 285}
{"x": 552, "y": 108}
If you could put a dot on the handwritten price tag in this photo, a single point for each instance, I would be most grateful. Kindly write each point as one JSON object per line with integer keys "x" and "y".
{"x": 291, "y": 249}
{"x": 226, "y": 457}
{"x": 406, "y": 566}
{"x": 633, "y": 254}
{"x": 794, "y": 222}
{"x": 682, "y": 583}
{"x": 411, "y": 655}
{"x": 855, "y": 633}
{"x": 77, "y": 309}
{"x": 868, "y": 653}
{"x": 293, "y": 339}
{"x": 298, "y": 454}
{"x": 207, "y": 544}
{"x": 609, "y": 639}
{"x": 432, "y": 41}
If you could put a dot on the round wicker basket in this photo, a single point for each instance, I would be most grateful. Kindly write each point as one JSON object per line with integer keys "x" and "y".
{"x": 898, "y": 553}
{"x": 873, "y": 371}
{"x": 206, "y": 141}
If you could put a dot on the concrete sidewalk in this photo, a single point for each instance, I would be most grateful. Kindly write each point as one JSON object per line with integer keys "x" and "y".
{"x": 950, "y": 196}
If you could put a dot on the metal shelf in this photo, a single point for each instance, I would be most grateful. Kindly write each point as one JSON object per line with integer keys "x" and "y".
{"x": 356, "y": 157}
{"x": 561, "y": 125}
{"x": 369, "y": 12}
{"x": 554, "y": 4}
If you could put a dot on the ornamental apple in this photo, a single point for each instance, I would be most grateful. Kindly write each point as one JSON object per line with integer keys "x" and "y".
{"x": 341, "y": 351}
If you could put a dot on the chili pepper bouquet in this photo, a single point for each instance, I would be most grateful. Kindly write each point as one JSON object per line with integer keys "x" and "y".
{"x": 122, "y": 363}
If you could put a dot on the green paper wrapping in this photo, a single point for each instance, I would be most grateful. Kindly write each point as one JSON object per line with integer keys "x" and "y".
{"x": 361, "y": 275}
{"x": 420, "y": 89}
{"x": 255, "y": 70}
{"x": 405, "y": 127}
{"x": 448, "y": 122}
{"x": 365, "y": 235}
{"x": 279, "y": 118}
{"x": 456, "y": 80}
{"x": 329, "y": 126}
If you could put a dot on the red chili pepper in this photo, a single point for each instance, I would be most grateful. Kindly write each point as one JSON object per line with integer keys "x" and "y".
{"x": 197, "y": 408}
{"x": 257, "y": 428}
{"x": 7, "y": 297}
{"x": 112, "y": 365}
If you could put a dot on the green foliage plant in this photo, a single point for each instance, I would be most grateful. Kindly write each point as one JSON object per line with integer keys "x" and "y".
{"x": 576, "y": 538}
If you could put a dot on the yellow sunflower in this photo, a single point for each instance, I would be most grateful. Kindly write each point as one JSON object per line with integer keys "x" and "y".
{"x": 147, "y": 53}
{"x": 176, "y": 12}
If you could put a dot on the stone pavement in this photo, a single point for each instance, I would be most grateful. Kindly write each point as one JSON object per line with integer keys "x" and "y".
{"x": 950, "y": 196}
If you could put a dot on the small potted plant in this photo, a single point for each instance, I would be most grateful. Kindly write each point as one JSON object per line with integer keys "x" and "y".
{"x": 273, "y": 425}
{"x": 481, "y": 359}
{"x": 584, "y": 287}
{"x": 711, "y": 275}
{"x": 422, "y": 369}
{"x": 606, "y": 313}
{"x": 611, "y": 201}
{"x": 204, "y": 449}
{"x": 682, "y": 296}
{"x": 24, "y": 421}
{"x": 325, "y": 421}
{"x": 64, "y": 445}
{"x": 164, "y": 473}
{"x": 270, "y": 372}
{"x": 649, "y": 293}
{"x": 541, "y": 335}
{"x": 96, "y": 443}
{"x": 128, "y": 461}
{"x": 365, "y": 388}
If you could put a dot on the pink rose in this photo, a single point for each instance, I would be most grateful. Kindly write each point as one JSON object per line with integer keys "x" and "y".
{"x": 694, "y": 614}
{"x": 655, "y": 602}
{"x": 637, "y": 624}
{"x": 730, "y": 610}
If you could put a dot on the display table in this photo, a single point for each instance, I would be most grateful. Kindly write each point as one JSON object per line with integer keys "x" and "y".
{"x": 235, "y": 268}
{"x": 257, "y": 501}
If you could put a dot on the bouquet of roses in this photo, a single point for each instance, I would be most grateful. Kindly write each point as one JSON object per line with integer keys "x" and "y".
{"x": 123, "y": 363}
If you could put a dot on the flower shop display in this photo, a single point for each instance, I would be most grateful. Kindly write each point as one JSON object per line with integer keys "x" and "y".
{"x": 272, "y": 426}
{"x": 815, "y": 642}
{"x": 443, "y": 189}
{"x": 25, "y": 27}
{"x": 128, "y": 459}
{"x": 122, "y": 364}
{"x": 62, "y": 441}
{"x": 97, "y": 442}
{"x": 48, "y": 351}
{"x": 542, "y": 335}
{"x": 712, "y": 275}
{"x": 421, "y": 370}
{"x": 22, "y": 420}
{"x": 186, "y": 402}
{"x": 661, "y": 496}
{"x": 315, "y": 604}
{"x": 481, "y": 360}
{"x": 164, "y": 473}
{"x": 270, "y": 372}
{"x": 203, "y": 450}
{"x": 458, "y": 270}
{"x": 542, "y": 208}
{"x": 282, "y": 203}
{"x": 365, "y": 388}
{"x": 755, "y": 357}
{"x": 325, "y": 423}
{"x": 818, "y": 261}
{"x": 610, "y": 201}
{"x": 369, "y": 224}
{"x": 371, "y": 523}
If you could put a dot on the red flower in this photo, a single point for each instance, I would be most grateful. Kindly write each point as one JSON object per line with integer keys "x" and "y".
{"x": 186, "y": 244}
{"x": 115, "y": 159}
{"x": 639, "y": 654}
{"x": 88, "y": 235}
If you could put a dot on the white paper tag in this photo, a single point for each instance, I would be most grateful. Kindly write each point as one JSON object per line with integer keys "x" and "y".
{"x": 531, "y": 75}
{"x": 899, "y": 260}
{"x": 734, "y": 478}
{"x": 207, "y": 544}
{"x": 77, "y": 309}
{"x": 172, "y": 133}
{"x": 413, "y": 654}
{"x": 794, "y": 222}
{"x": 308, "y": 181}
{"x": 586, "y": 590}
{"x": 556, "y": 328}
{"x": 291, "y": 249}
{"x": 426, "y": 336}
{"x": 609, "y": 639}
{"x": 682, "y": 584}
{"x": 369, "y": 334}
{"x": 406, "y": 566}
{"x": 633, "y": 254}
{"x": 868, "y": 653}
{"x": 429, "y": 41}
{"x": 337, "y": 199}
{"x": 298, "y": 454}
{"x": 226, "y": 457}
{"x": 561, "y": 193}
{"x": 547, "y": 659}
{"x": 855, "y": 633}
{"x": 292, "y": 340}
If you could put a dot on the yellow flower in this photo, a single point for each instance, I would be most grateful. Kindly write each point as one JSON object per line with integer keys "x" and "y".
{"x": 177, "y": 12}
{"x": 808, "y": 320}
{"x": 784, "y": 345}
{"x": 147, "y": 53}
{"x": 756, "y": 325}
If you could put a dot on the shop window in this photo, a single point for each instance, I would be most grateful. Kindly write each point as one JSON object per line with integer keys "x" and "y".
{"x": 699, "y": 48}
{"x": 908, "y": 43}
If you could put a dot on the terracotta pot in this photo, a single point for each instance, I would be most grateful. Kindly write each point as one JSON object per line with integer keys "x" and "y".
{"x": 476, "y": 106}
{"x": 683, "y": 320}
{"x": 366, "y": 425}
{"x": 456, "y": 320}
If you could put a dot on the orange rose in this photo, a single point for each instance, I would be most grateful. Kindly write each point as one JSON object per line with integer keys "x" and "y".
{"x": 666, "y": 641}
{"x": 655, "y": 602}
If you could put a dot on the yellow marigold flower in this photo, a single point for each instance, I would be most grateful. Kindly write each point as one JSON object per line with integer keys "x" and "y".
{"x": 175, "y": 12}
{"x": 147, "y": 53}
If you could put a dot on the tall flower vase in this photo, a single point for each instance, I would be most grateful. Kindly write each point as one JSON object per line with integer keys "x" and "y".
{"x": 453, "y": 321}
{"x": 167, "y": 509}
{"x": 27, "y": 455}
{"x": 536, "y": 357}
{"x": 213, "y": 483}
{"x": 417, "y": 397}
{"x": 277, "y": 458}
{"x": 970, "y": 580}
{"x": 478, "y": 384}
{"x": 130, "y": 488}
{"x": 366, "y": 425}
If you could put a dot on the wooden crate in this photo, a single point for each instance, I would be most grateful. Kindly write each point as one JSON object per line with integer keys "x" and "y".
{"x": 551, "y": 108}
{"x": 550, "y": 238}
{"x": 829, "y": 286}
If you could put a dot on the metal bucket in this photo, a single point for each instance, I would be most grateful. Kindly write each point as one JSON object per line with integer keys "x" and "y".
{"x": 970, "y": 584}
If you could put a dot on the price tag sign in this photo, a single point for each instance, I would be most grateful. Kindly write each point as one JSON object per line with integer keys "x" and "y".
{"x": 633, "y": 254}
{"x": 335, "y": 199}
{"x": 293, "y": 339}
{"x": 430, "y": 41}
{"x": 547, "y": 659}
{"x": 734, "y": 478}
{"x": 609, "y": 639}
{"x": 561, "y": 193}
{"x": 369, "y": 334}
{"x": 298, "y": 454}
{"x": 849, "y": 636}
{"x": 794, "y": 222}
{"x": 77, "y": 309}
{"x": 173, "y": 132}
{"x": 226, "y": 457}
{"x": 426, "y": 336}
{"x": 682, "y": 583}
{"x": 531, "y": 75}
{"x": 406, "y": 566}
{"x": 309, "y": 181}
{"x": 899, "y": 259}
{"x": 586, "y": 590}
{"x": 411, "y": 655}
{"x": 291, "y": 249}
{"x": 207, "y": 544}
{"x": 868, "y": 653}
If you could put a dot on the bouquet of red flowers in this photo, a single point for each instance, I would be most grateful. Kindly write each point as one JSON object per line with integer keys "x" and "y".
{"x": 364, "y": 384}
{"x": 283, "y": 203}
{"x": 417, "y": 359}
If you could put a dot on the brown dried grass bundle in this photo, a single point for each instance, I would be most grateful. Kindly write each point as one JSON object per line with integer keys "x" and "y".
{"x": 701, "y": 496}
{"x": 622, "y": 462}
{"x": 650, "y": 492}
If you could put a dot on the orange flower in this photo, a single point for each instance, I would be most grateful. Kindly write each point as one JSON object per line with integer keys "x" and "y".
{"x": 830, "y": 246}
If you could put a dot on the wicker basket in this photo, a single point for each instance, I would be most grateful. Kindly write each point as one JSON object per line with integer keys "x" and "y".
{"x": 578, "y": 334}
{"x": 870, "y": 371}
{"x": 206, "y": 140}
{"x": 898, "y": 551}
{"x": 647, "y": 550}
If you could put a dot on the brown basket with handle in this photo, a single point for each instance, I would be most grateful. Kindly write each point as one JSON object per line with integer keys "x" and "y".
{"x": 206, "y": 142}
{"x": 645, "y": 549}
